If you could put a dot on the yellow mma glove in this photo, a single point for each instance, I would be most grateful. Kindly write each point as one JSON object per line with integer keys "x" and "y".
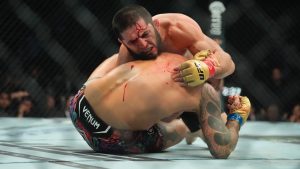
{"x": 203, "y": 54}
{"x": 196, "y": 72}
{"x": 239, "y": 110}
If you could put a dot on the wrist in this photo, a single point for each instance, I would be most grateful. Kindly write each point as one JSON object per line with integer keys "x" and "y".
{"x": 236, "y": 117}
{"x": 211, "y": 67}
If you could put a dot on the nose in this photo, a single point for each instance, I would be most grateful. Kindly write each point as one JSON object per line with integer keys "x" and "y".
{"x": 142, "y": 43}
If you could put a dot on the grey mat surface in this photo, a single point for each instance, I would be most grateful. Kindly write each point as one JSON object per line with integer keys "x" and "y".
{"x": 54, "y": 143}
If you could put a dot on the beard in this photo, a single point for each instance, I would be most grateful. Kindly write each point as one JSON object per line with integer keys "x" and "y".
{"x": 145, "y": 56}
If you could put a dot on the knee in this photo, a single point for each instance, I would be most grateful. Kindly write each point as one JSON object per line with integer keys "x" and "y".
{"x": 181, "y": 128}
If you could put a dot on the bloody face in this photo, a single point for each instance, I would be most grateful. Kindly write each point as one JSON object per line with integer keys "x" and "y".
{"x": 142, "y": 40}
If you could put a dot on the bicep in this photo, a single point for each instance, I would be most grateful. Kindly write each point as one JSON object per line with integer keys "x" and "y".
{"x": 191, "y": 37}
{"x": 204, "y": 42}
{"x": 186, "y": 33}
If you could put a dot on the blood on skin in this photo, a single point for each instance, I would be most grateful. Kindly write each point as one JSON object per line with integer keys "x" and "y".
{"x": 139, "y": 28}
{"x": 169, "y": 68}
{"x": 124, "y": 91}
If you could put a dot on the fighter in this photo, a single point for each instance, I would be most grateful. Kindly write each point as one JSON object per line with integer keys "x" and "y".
{"x": 144, "y": 37}
{"x": 121, "y": 112}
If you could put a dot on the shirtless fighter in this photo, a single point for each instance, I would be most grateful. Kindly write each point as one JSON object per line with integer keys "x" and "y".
{"x": 121, "y": 111}
{"x": 144, "y": 37}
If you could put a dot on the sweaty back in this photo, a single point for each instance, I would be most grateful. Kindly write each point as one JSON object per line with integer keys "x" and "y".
{"x": 150, "y": 94}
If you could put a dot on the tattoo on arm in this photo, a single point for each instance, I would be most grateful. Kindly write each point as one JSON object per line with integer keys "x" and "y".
{"x": 219, "y": 138}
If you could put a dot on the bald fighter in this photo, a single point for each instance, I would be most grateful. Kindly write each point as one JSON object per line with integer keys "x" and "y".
{"x": 121, "y": 111}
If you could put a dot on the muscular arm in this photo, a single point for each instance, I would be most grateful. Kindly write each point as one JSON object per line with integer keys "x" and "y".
{"x": 188, "y": 32}
{"x": 220, "y": 139}
{"x": 224, "y": 64}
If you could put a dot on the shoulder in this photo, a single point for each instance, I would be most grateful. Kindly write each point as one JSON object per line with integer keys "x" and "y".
{"x": 181, "y": 21}
{"x": 181, "y": 27}
{"x": 173, "y": 17}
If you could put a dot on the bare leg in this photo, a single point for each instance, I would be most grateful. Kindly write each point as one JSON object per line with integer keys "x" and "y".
{"x": 157, "y": 138}
{"x": 220, "y": 138}
{"x": 173, "y": 132}
{"x": 191, "y": 137}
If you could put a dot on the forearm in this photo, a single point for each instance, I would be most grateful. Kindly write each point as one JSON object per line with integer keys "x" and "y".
{"x": 206, "y": 64}
{"x": 222, "y": 61}
{"x": 221, "y": 139}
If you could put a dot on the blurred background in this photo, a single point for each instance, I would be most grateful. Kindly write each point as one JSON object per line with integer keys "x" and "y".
{"x": 48, "y": 49}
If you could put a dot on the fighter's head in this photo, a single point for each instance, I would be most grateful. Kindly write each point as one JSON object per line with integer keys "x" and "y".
{"x": 135, "y": 29}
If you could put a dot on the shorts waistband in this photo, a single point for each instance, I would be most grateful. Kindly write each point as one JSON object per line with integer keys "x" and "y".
{"x": 84, "y": 113}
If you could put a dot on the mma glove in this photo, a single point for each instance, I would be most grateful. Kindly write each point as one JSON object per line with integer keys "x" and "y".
{"x": 202, "y": 55}
{"x": 196, "y": 71}
{"x": 241, "y": 112}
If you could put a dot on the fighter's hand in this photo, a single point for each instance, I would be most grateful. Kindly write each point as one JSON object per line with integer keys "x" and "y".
{"x": 193, "y": 72}
{"x": 238, "y": 106}
{"x": 208, "y": 57}
{"x": 202, "y": 55}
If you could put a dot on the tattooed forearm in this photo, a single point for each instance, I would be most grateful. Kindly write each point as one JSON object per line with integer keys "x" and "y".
{"x": 216, "y": 124}
{"x": 221, "y": 140}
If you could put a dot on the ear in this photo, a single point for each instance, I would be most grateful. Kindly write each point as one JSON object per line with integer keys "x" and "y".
{"x": 156, "y": 23}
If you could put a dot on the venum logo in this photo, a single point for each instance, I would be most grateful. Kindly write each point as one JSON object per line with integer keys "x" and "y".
{"x": 89, "y": 117}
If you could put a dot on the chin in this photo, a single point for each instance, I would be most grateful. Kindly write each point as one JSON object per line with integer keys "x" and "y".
{"x": 153, "y": 56}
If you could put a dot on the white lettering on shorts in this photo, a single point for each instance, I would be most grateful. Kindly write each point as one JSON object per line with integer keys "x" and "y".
{"x": 89, "y": 117}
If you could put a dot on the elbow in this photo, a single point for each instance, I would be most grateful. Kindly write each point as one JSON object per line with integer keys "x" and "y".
{"x": 226, "y": 67}
{"x": 226, "y": 70}
{"x": 221, "y": 154}
{"x": 232, "y": 67}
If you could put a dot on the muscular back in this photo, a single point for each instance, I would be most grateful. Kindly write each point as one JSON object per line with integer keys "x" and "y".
{"x": 138, "y": 94}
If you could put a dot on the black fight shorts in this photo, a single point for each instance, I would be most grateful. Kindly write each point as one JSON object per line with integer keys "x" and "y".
{"x": 191, "y": 121}
{"x": 104, "y": 138}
